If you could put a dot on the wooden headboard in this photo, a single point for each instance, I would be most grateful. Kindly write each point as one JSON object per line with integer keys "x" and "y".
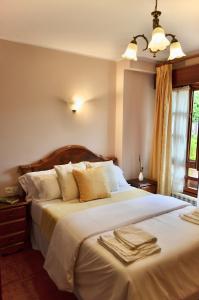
{"x": 64, "y": 155}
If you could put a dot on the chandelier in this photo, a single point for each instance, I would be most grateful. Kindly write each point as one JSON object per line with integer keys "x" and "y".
{"x": 159, "y": 41}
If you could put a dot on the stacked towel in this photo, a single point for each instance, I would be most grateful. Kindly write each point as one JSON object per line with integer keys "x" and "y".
{"x": 130, "y": 243}
{"x": 133, "y": 236}
{"x": 192, "y": 217}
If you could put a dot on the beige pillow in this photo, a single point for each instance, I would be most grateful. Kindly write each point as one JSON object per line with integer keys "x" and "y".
{"x": 92, "y": 184}
{"x": 66, "y": 180}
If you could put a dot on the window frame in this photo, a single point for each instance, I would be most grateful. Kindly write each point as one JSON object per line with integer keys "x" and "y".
{"x": 190, "y": 163}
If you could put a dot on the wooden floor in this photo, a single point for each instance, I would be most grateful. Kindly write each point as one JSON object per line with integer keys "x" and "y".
{"x": 23, "y": 278}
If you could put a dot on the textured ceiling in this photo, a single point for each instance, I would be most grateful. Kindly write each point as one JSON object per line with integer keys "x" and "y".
{"x": 97, "y": 28}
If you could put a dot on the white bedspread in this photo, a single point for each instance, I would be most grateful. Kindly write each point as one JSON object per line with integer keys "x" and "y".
{"x": 93, "y": 265}
{"x": 38, "y": 206}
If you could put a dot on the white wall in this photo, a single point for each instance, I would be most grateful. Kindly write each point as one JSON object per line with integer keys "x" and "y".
{"x": 34, "y": 119}
{"x": 138, "y": 121}
{"x": 134, "y": 115}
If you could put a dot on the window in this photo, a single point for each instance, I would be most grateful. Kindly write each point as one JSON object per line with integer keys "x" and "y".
{"x": 192, "y": 157}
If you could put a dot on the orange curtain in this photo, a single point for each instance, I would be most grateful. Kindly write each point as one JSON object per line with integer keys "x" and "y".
{"x": 160, "y": 167}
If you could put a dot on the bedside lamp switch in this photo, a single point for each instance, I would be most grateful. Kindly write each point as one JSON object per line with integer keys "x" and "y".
{"x": 11, "y": 190}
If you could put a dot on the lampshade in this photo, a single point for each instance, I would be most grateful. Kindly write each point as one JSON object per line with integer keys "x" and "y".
{"x": 77, "y": 103}
{"x": 159, "y": 41}
{"x": 175, "y": 51}
{"x": 131, "y": 51}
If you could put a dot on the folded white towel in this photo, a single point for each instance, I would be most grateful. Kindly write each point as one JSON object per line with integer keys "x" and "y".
{"x": 134, "y": 237}
{"x": 193, "y": 218}
{"x": 196, "y": 212}
{"x": 124, "y": 252}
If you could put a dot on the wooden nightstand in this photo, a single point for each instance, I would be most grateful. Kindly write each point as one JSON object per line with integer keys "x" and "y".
{"x": 13, "y": 227}
{"x": 147, "y": 184}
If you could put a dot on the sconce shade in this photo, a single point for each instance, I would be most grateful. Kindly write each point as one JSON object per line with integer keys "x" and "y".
{"x": 76, "y": 104}
{"x": 131, "y": 51}
{"x": 158, "y": 41}
{"x": 175, "y": 51}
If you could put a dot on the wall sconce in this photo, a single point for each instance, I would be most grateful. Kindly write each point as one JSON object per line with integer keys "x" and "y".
{"x": 76, "y": 104}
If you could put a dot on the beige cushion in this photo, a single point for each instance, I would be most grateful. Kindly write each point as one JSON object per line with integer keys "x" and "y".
{"x": 92, "y": 184}
{"x": 66, "y": 180}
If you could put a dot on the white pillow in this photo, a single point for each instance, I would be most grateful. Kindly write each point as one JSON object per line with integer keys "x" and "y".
{"x": 112, "y": 179}
{"x": 47, "y": 186}
{"x": 24, "y": 183}
{"x": 40, "y": 185}
{"x": 68, "y": 185}
{"x": 120, "y": 177}
{"x": 99, "y": 163}
{"x": 116, "y": 173}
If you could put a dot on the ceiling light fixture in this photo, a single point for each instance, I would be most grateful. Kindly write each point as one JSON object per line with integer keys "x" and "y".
{"x": 159, "y": 41}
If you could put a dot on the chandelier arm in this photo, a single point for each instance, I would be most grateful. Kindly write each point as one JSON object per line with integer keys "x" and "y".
{"x": 142, "y": 36}
{"x": 172, "y": 36}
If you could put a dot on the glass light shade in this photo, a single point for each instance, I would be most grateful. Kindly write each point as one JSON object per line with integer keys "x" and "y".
{"x": 77, "y": 104}
{"x": 131, "y": 52}
{"x": 159, "y": 41}
{"x": 175, "y": 51}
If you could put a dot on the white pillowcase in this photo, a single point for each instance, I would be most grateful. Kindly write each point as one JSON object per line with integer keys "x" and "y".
{"x": 42, "y": 185}
{"x": 114, "y": 174}
{"x": 111, "y": 176}
{"x": 47, "y": 187}
{"x": 120, "y": 177}
{"x": 68, "y": 185}
{"x": 99, "y": 163}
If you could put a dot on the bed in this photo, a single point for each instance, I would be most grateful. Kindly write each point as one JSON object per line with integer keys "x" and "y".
{"x": 67, "y": 233}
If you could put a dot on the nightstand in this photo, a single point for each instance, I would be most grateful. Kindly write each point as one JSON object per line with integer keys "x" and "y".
{"x": 13, "y": 227}
{"x": 147, "y": 184}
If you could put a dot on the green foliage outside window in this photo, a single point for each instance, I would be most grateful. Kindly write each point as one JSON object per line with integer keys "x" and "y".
{"x": 195, "y": 120}
{"x": 196, "y": 107}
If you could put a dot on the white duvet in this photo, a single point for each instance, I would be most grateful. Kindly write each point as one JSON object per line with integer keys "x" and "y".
{"x": 76, "y": 262}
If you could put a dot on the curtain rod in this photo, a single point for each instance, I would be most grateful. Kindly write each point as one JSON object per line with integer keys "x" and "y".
{"x": 177, "y": 60}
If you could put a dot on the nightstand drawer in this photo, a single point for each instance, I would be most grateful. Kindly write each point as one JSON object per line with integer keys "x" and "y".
{"x": 12, "y": 226}
{"x": 12, "y": 213}
{"x": 12, "y": 238}
{"x": 150, "y": 188}
{"x": 12, "y": 248}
